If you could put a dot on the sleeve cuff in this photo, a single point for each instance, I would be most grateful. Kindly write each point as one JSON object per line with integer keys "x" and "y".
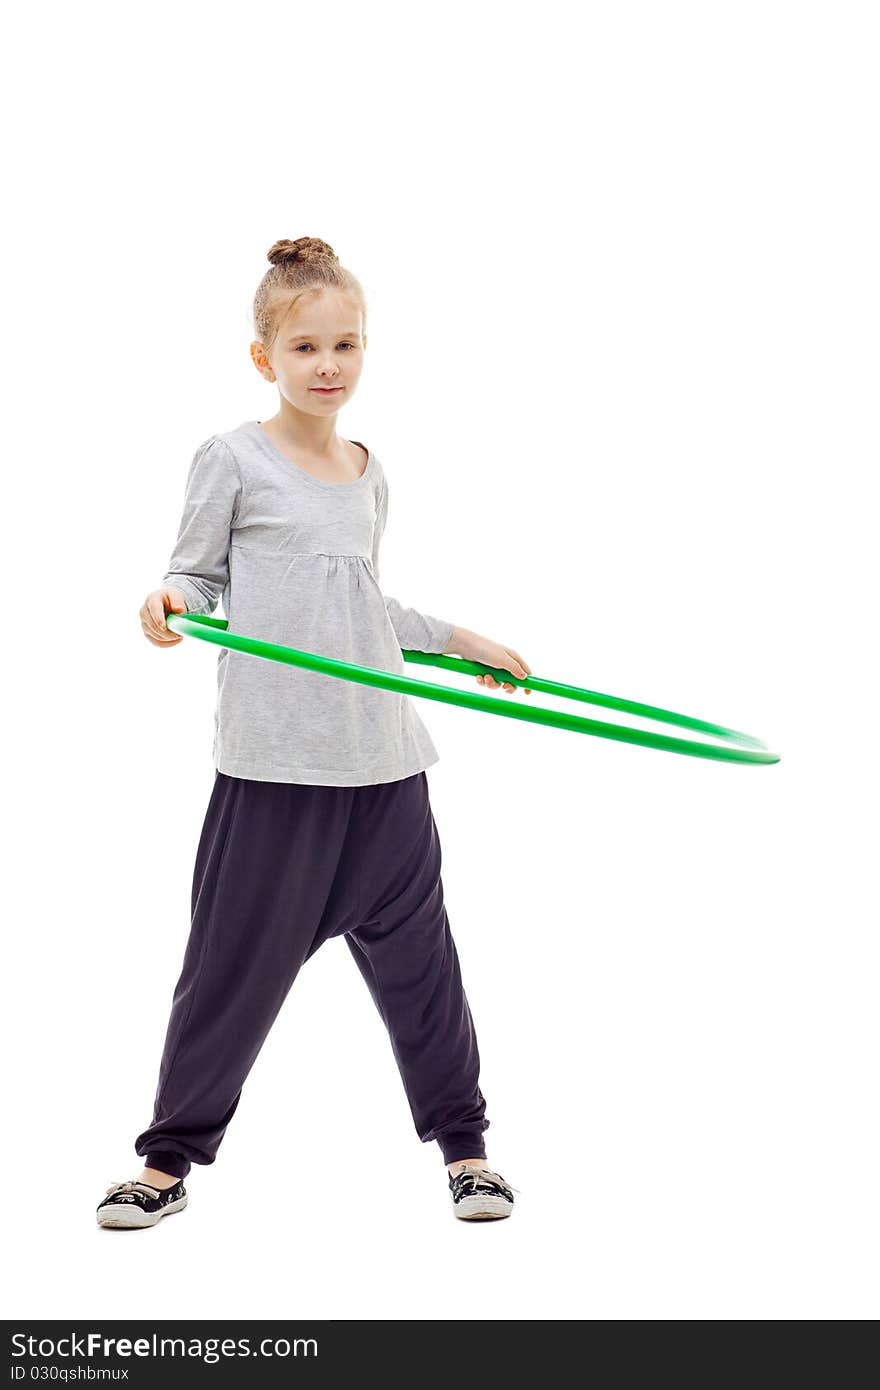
{"x": 418, "y": 632}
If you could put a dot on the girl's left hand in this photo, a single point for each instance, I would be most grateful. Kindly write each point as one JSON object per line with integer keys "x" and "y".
{"x": 494, "y": 654}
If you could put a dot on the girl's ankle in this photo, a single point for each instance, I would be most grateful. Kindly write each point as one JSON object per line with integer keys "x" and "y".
{"x": 154, "y": 1177}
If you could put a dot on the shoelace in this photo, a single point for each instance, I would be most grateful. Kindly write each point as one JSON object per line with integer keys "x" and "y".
{"x": 484, "y": 1175}
{"x": 134, "y": 1187}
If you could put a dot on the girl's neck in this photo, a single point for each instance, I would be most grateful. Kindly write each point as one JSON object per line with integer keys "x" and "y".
{"x": 317, "y": 439}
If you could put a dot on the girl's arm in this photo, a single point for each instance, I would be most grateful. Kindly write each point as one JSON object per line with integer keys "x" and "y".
{"x": 415, "y": 631}
{"x": 420, "y": 633}
{"x": 199, "y": 565}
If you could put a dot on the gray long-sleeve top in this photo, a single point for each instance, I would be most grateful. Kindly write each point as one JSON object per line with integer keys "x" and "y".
{"x": 296, "y": 561}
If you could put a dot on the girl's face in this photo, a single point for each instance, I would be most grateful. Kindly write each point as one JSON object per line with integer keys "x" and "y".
{"x": 318, "y": 354}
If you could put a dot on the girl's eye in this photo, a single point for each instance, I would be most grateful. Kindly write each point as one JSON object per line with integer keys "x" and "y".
{"x": 308, "y": 345}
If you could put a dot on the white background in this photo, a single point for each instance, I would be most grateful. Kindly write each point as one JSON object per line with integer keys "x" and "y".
{"x": 621, "y": 264}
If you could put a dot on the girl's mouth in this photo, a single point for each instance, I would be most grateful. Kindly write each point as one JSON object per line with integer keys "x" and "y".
{"x": 326, "y": 390}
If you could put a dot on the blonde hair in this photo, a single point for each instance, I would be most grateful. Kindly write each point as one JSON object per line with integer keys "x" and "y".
{"x": 299, "y": 267}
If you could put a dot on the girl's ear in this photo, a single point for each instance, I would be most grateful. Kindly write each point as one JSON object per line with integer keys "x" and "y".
{"x": 261, "y": 361}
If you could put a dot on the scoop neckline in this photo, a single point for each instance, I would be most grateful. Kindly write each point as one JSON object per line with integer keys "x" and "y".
{"x": 256, "y": 428}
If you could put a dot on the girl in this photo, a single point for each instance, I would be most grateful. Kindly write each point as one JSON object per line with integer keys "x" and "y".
{"x": 319, "y": 822}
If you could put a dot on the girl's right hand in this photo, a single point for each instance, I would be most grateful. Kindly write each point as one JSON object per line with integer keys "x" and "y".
{"x": 152, "y": 616}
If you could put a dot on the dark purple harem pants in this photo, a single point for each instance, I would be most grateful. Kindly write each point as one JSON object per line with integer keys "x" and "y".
{"x": 281, "y": 867}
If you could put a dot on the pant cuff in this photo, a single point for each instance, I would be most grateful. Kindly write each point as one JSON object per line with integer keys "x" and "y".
{"x": 462, "y": 1143}
{"x": 167, "y": 1162}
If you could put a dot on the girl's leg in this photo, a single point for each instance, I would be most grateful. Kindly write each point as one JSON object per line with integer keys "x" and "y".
{"x": 404, "y": 949}
{"x": 263, "y": 901}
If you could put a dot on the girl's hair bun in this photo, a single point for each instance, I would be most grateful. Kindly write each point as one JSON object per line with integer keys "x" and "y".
{"x": 305, "y": 248}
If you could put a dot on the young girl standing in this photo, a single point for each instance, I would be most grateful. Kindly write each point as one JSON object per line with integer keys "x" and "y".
{"x": 319, "y": 822}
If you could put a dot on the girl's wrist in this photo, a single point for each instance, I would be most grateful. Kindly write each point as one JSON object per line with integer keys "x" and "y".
{"x": 463, "y": 642}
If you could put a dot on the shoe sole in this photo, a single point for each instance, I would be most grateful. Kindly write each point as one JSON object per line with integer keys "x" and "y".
{"x": 480, "y": 1208}
{"x": 132, "y": 1217}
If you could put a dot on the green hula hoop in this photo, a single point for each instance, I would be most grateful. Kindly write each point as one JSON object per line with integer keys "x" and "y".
{"x": 744, "y": 749}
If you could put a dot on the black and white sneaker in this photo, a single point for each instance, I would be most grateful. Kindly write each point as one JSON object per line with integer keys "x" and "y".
{"x": 138, "y": 1204}
{"x": 478, "y": 1194}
